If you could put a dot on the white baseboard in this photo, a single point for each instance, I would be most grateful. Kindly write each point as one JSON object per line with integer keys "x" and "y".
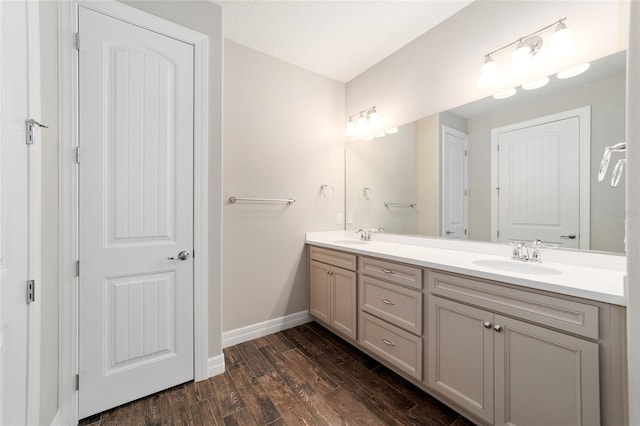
{"x": 215, "y": 365}
{"x": 253, "y": 331}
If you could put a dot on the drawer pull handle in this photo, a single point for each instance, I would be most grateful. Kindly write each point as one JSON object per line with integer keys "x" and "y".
{"x": 388, "y": 343}
{"x": 488, "y": 325}
{"x": 387, "y": 302}
{"x": 388, "y": 271}
{"x": 497, "y": 328}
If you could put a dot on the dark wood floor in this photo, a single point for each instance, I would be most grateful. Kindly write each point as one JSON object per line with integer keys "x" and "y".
{"x": 301, "y": 376}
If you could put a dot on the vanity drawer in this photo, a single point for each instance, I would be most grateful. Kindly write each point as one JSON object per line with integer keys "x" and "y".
{"x": 397, "y": 305}
{"x": 402, "y": 349}
{"x": 390, "y": 271}
{"x": 567, "y": 315}
{"x": 333, "y": 257}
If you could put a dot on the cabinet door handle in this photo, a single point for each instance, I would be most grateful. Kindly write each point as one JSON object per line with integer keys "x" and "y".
{"x": 388, "y": 343}
{"x": 388, "y": 271}
{"x": 497, "y": 328}
{"x": 487, "y": 324}
{"x": 387, "y": 302}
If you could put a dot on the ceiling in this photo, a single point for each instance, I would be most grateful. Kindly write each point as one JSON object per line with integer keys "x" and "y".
{"x": 337, "y": 39}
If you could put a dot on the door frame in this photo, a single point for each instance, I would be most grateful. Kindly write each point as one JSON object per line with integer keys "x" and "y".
{"x": 465, "y": 136}
{"x": 68, "y": 103}
{"x": 584, "y": 114}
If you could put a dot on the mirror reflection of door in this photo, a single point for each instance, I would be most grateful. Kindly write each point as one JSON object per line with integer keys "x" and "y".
{"x": 454, "y": 183}
{"x": 538, "y": 188}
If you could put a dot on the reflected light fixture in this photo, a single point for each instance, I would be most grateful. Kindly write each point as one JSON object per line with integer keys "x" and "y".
{"x": 391, "y": 131}
{"x": 536, "y": 84}
{"x": 573, "y": 71}
{"x": 526, "y": 47}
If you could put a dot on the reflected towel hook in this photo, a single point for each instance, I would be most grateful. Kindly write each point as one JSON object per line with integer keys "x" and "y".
{"x": 327, "y": 190}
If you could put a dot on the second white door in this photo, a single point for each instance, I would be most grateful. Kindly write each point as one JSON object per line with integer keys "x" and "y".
{"x": 454, "y": 183}
{"x": 135, "y": 212}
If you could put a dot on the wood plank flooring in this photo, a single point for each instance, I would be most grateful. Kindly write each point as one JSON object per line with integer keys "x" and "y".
{"x": 301, "y": 376}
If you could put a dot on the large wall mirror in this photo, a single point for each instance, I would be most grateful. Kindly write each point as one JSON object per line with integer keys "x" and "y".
{"x": 444, "y": 175}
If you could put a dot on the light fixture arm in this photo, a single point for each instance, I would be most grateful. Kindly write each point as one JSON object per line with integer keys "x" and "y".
{"x": 365, "y": 112}
{"x": 524, "y": 38}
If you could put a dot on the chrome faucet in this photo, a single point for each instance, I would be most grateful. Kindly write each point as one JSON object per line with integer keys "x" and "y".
{"x": 365, "y": 235}
{"x": 521, "y": 251}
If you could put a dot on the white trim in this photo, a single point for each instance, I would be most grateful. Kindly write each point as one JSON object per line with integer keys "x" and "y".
{"x": 56, "y": 420}
{"x": 68, "y": 78}
{"x": 35, "y": 214}
{"x": 215, "y": 365}
{"x": 446, "y": 129}
{"x": 254, "y": 331}
{"x": 584, "y": 114}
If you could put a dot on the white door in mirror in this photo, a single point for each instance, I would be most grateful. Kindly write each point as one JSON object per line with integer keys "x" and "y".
{"x": 538, "y": 182}
{"x": 454, "y": 183}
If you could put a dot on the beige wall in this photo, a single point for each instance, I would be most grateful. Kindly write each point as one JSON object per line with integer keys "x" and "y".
{"x": 439, "y": 70}
{"x": 205, "y": 17}
{"x": 283, "y": 137}
{"x": 607, "y": 100}
{"x": 428, "y": 175}
{"x": 49, "y": 289}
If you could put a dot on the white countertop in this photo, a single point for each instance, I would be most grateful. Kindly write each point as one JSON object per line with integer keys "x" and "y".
{"x": 604, "y": 283}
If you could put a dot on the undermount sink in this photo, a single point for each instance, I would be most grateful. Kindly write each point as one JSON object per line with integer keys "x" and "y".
{"x": 517, "y": 267}
{"x": 353, "y": 242}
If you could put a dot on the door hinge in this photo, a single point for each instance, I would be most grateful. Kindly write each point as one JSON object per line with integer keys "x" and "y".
{"x": 77, "y": 268}
{"x": 30, "y": 123}
{"x": 465, "y": 152}
{"x": 498, "y": 148}
{"x": 465, "y": 193}
{"x": 78, "y": 41}
{"x": 31, "y": 291}
{"x": 78, "y": 154}
{"x": 77, "y": 382}
{"x": 465, "y": 232}
{"x": 498, "y": 234}
{"x": 498, "y": 190}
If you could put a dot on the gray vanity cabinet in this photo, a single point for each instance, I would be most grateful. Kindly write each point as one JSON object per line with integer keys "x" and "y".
{"x": 332, "y": 290}
{"x": 508, "y": 371}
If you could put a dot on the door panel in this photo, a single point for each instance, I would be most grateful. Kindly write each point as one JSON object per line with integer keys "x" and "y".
{"x": 320, "y": 292}
{"x": 454, "y": 183}
{"x": 535, "y": 368}
{"x": 343, "y": 302}
{"x": 461, "y": 355}
{"x": 538, "y": 177}
{"x": 136, "y": 211}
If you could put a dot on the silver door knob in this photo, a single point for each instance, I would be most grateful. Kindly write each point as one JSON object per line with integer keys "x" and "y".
{"x": 449, "y": 232}
{"x": 570, "y": 236}
{"x": 183, "y": 255}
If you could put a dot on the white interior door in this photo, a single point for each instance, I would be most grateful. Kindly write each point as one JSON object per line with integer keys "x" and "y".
{"x": 19, "y": 215}
{"x": 136, "y": 211}
{"x": 538, "y": 185}
{"x": 454, "y": 183}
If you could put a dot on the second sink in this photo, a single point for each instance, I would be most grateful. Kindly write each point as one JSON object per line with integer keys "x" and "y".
{"x": 517, "y": 267}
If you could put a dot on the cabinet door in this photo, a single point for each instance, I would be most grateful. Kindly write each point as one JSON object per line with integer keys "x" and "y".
{"x": 343, "y": 302}
{"x": 460, "y": 345}
{"x": 544, "y": 377}
{"x": 319, "y": 291}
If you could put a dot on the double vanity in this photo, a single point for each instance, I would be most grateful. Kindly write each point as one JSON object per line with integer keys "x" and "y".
{"x": 501, "y": 341}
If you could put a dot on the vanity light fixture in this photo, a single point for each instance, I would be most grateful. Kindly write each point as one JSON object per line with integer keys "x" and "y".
{"x": 505, "y": 93}
{"x": 362, "y": 123}
{"x": 573, "y": 71}
{"x": 536, "y": 84}
{"x": 526, "y": 47}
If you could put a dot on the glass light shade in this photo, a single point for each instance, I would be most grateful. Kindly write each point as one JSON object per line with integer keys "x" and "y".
{"x": 536, "y": 84}
{"x": 561, "y": 37}
{"x": 351, "y": 128}
{"x": 361, "y": 125}
{"x": 373, "y": 116}
{"x": 489, "y": 67}
{"x": 521, "y": 55}
{"x": 367, "y": 138}
{"x": 573, "y": 71}
{"x": 391, "y": 131}
{"x": 505, "y": 94}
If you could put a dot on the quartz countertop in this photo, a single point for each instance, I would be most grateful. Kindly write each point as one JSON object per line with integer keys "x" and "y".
{"x": 593, "y": 276}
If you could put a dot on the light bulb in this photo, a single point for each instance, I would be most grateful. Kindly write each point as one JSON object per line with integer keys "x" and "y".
{"x": 561, "y": 39}
{"x": 521, "y": 55}
{"x": 351, "y": 128}
{"x": 573, "y": 71}
{"x": 489, "y": 71}
{"x": 505, "y": 94}
{"x": 536, "y": 84}
{"x": 361, "y": 125}
{"x": 373, "y": 116}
